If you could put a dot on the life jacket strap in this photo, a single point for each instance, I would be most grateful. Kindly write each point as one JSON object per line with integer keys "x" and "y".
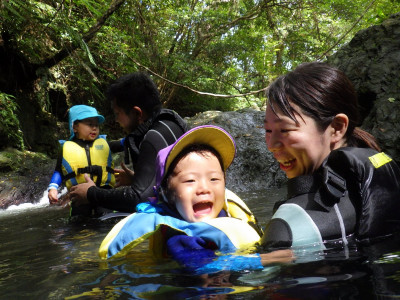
{"x": 334, "y": 184}
{"x": 92, "y": 170}
{"x": 69, "y": 176}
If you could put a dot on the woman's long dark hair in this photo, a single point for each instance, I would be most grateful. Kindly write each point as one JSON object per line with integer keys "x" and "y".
{"x": 321, "y": 92}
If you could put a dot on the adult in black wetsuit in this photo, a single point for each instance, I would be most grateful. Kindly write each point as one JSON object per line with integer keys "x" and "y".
{"x": 136, "y": 103}
{"x": 340, "y": 184}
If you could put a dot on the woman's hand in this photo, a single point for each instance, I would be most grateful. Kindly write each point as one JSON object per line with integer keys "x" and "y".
{"x": 278, "y": 256}
{"x": 123, "y": 177}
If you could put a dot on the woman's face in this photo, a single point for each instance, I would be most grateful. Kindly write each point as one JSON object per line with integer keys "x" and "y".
{"x": 299, "y": 148}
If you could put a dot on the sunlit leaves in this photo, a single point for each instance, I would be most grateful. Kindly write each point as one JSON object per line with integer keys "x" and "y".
{"x": 221, "y": 47}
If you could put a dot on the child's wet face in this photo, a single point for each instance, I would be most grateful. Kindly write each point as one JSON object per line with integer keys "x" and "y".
{"x": 197, "y": 187}
{"x": 87, "y": 129}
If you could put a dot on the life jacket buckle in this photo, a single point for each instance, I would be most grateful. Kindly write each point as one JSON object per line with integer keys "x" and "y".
{"x": 92, "y": 170}
{"x": 334, "y": 184}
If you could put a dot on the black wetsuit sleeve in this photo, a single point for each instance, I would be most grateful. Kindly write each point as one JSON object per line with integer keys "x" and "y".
{"x": 59, "y": 161}
{"x": 121, "y": 199}
{"x": 277, "y": 234}
{"x": 125, "y": 199}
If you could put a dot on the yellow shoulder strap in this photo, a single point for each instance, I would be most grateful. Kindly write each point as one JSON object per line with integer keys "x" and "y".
{"x": 237, "y": 208}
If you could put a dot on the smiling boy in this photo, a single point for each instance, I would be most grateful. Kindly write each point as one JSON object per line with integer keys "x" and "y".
{"x": 192, "y": 208}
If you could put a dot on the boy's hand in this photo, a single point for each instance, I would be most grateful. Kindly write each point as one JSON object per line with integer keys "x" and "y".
{"x": 53, "y": 196}
{"x": 123, "y": 177}
{"x": 78, "y": 193}
{"x": 180, "y": 243}
{"x": 189, "y": 251}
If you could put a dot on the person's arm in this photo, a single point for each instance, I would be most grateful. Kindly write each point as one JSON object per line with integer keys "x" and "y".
{"x": 197, "y": 256}
{"x": 189, "y": 251}
{"x": 125, "y": 199}
{"x": 52, "y": 189}
{"x": 56, "y": 180}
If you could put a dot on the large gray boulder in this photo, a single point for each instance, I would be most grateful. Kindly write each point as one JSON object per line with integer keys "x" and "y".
{"x": 254, "y": 167}
{"x": 372, "y": 61}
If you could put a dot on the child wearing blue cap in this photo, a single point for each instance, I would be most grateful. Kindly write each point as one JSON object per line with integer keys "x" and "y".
{"x": 86, "y": 152}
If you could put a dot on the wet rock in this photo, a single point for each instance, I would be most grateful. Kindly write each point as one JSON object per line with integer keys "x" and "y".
{"x": 254, "y": 167}
{"x": 24, "y": 176}
{"x": 372, "y": 61}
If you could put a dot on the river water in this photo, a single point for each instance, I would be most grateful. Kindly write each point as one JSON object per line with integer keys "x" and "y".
{"x": 42, "y": 256}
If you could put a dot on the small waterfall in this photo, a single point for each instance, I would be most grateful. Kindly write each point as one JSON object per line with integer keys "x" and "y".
{"x": 43, "y": 202}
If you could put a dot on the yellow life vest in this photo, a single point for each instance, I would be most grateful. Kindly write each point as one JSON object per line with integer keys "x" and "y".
{"x": 96, "y": 161}
{"x": 236, "y": 208}
{"x": 229, "y": 234}
{"x": 238, "y": 231}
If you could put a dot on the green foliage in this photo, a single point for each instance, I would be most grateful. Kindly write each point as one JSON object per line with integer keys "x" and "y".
{"x": 9, "y": 123}
{"x": 219, "y": 47}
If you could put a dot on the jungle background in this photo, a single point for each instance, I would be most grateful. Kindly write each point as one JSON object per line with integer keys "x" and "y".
{"x": 203, "y": 55}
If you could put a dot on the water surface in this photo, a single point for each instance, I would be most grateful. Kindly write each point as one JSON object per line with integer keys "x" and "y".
{"x": 42, "y": 256}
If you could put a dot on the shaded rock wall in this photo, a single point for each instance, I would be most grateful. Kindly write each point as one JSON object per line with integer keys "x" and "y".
{"x": 254, "y": 167}
{"x": 372, "y": 61}
{"x": 24, "y": 176}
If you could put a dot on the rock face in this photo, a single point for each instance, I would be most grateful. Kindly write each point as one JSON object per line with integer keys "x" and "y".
{"x": 254, "y": 167}
{"x": 24, "y": 176}
{"x": 372, "y": 61}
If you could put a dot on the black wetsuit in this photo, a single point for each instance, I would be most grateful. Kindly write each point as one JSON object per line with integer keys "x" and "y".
{"x": 355, "y": 192}
{"x": 160, "y": 131}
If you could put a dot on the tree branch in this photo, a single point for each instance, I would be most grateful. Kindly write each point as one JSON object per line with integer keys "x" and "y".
{"x": 193, "y": 90}
{"x": 348, "y": 31}
{"x": 69, "y": 48}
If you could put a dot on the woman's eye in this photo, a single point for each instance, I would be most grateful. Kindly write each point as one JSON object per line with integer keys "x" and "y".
{"x": 286, "y": 130}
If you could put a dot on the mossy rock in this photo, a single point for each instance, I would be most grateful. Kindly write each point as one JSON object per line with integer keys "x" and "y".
{"x": 17, "y": 161}
{"x": 24, "y": 176}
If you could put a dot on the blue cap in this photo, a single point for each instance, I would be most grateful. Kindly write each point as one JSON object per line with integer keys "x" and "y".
{"x": 81, "y": 112}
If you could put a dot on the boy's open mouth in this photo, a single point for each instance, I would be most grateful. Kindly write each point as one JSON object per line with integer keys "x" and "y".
{"x": 202, "y": 208}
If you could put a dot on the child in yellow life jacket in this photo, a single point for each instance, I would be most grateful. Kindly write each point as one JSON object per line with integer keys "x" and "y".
{"x": 192, "y": 210}
{"x": 86, "y": 152}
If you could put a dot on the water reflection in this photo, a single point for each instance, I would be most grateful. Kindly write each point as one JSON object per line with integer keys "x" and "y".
{"x": 42, "y": 256}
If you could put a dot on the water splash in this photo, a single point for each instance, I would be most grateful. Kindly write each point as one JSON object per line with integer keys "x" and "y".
{"x": 43, "y": 202}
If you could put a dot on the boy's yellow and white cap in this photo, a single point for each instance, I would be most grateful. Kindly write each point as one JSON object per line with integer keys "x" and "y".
{"x": 211, "y": 135}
